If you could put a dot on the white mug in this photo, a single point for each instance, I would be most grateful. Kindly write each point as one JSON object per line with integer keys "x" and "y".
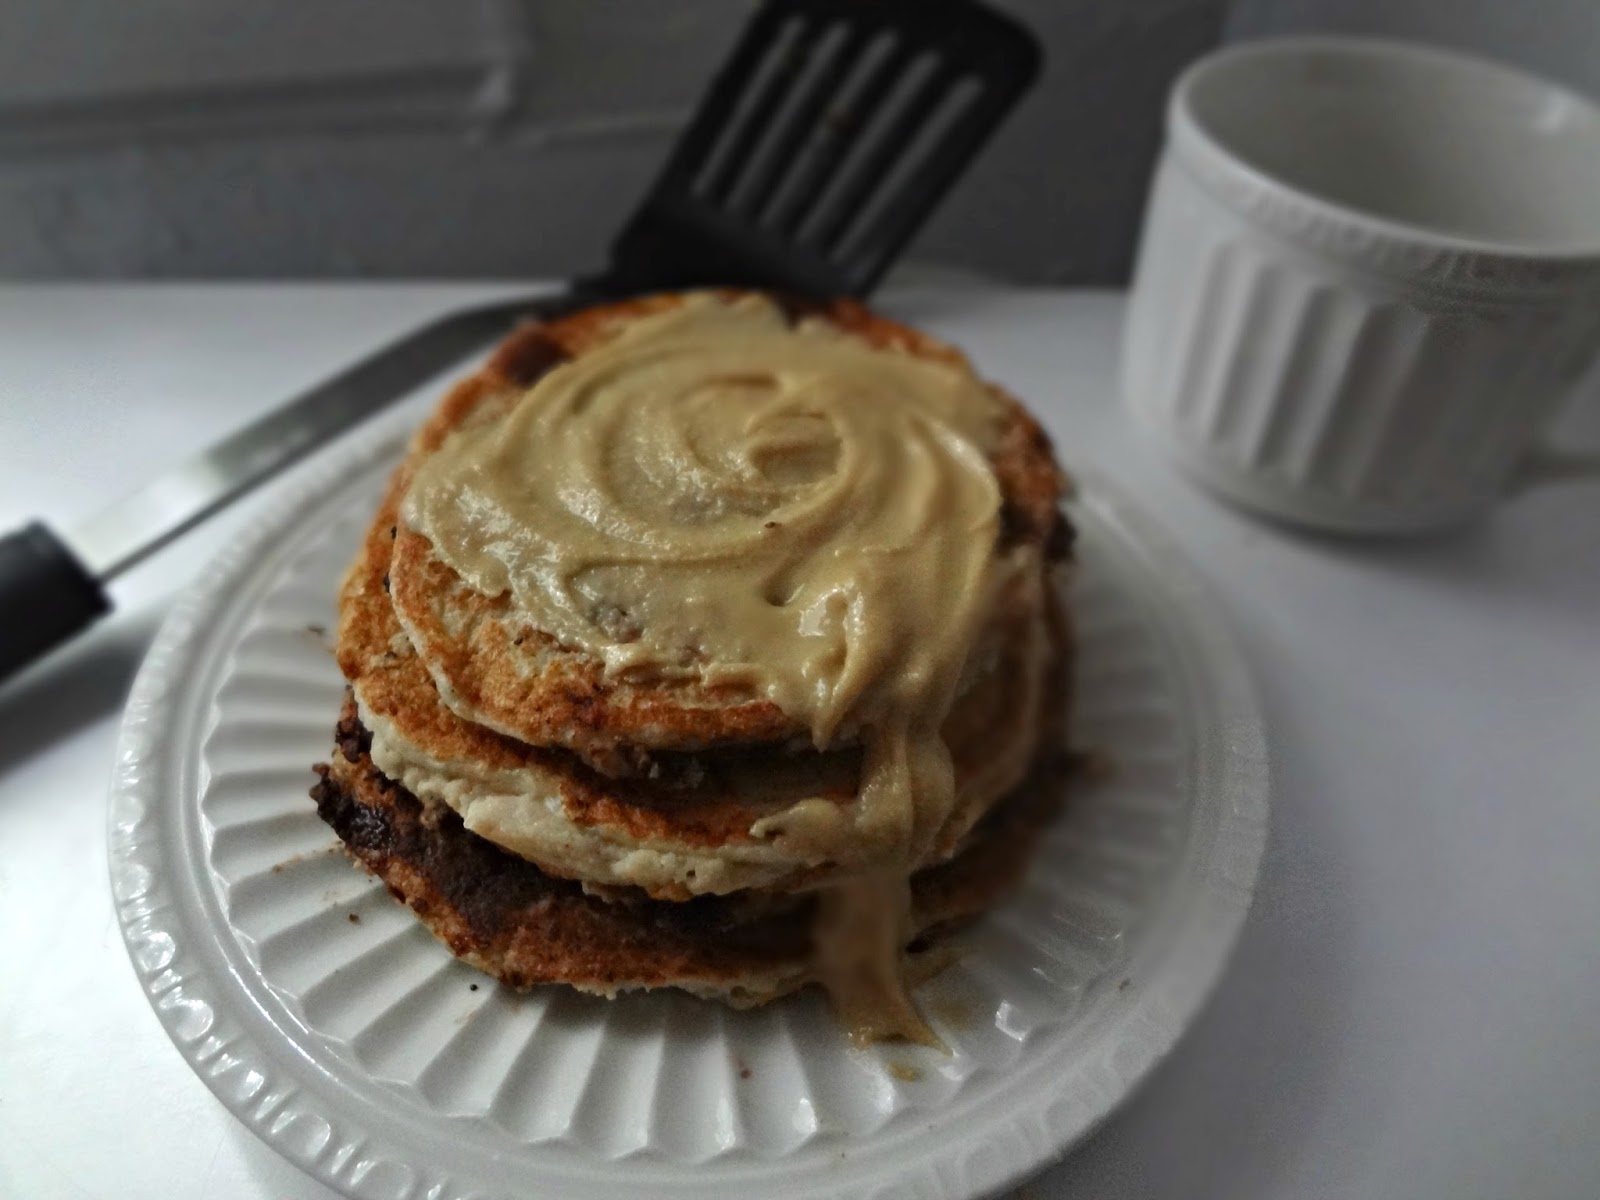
{"x": 1369, "y": 275}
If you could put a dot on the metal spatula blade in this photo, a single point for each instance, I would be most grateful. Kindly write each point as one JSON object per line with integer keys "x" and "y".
{"x": 819, "y": 150}
{"x": 826, "y": 141}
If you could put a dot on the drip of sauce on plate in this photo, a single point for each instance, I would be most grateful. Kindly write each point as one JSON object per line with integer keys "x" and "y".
{"x": 716, "y": 494}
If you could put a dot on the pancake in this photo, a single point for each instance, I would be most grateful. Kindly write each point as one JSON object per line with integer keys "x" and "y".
{"x": 707, "y": 642}
{"x": 686, "y": 832}
{"x": 496, "y": 670}
{"x": 505, "y": 916}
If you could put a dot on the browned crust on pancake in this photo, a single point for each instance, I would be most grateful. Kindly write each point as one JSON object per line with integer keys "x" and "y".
{"x": 647, "y": 809}
{"x": 396, "y": 685}
{"x": 566, "y": 701}
{"x": 507, "y": 917}
{"x": 523, "y": 926}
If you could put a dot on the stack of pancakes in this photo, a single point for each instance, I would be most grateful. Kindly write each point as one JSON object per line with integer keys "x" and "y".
{"x": 554, "y": 816}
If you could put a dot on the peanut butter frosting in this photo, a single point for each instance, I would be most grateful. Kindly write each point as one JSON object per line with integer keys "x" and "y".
{"x": 718, "y": 494}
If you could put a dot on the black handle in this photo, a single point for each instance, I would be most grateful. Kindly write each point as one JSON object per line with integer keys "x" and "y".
{"x": 46, "y": 596}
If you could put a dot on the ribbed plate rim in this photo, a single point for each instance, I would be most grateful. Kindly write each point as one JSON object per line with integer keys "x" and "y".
{"x": 182, "y": 963}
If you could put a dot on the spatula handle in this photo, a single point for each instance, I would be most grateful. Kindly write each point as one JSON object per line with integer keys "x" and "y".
{"x": 46, "y": 596}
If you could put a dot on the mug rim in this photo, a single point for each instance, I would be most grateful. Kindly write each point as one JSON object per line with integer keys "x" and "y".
{"x": 1297, "y": 211}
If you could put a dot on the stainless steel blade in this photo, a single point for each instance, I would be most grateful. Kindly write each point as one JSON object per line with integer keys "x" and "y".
{"x": 114, "y": 540}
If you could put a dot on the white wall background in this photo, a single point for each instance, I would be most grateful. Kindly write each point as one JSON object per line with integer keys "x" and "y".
{"x": 499, "y": 137}
{"x": 1559, "y": 39}
{"x": 510, "y": 137}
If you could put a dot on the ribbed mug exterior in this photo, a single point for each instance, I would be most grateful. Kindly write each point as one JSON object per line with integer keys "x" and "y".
{"x": 1308, "y": 363}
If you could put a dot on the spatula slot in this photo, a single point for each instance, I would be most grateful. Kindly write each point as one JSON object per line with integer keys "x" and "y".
{"x": 827, "y": 139}
{"x": 911, "y": 176}
{"x": 885, "y": 132}
{"x": 751, "y": 109}
{"x": 837, "y": 131}
{"x": 834, "y": 53}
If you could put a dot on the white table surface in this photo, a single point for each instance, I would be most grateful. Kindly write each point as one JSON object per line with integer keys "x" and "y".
{"x": 1414, "y": 1009}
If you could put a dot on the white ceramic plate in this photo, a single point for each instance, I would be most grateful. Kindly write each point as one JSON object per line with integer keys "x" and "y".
{"x": 334, "y": 1026}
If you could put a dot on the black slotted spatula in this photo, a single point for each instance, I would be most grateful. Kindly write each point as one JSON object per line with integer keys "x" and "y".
{"x": 825, "y": 143}
{"x": 819, "y": 150}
